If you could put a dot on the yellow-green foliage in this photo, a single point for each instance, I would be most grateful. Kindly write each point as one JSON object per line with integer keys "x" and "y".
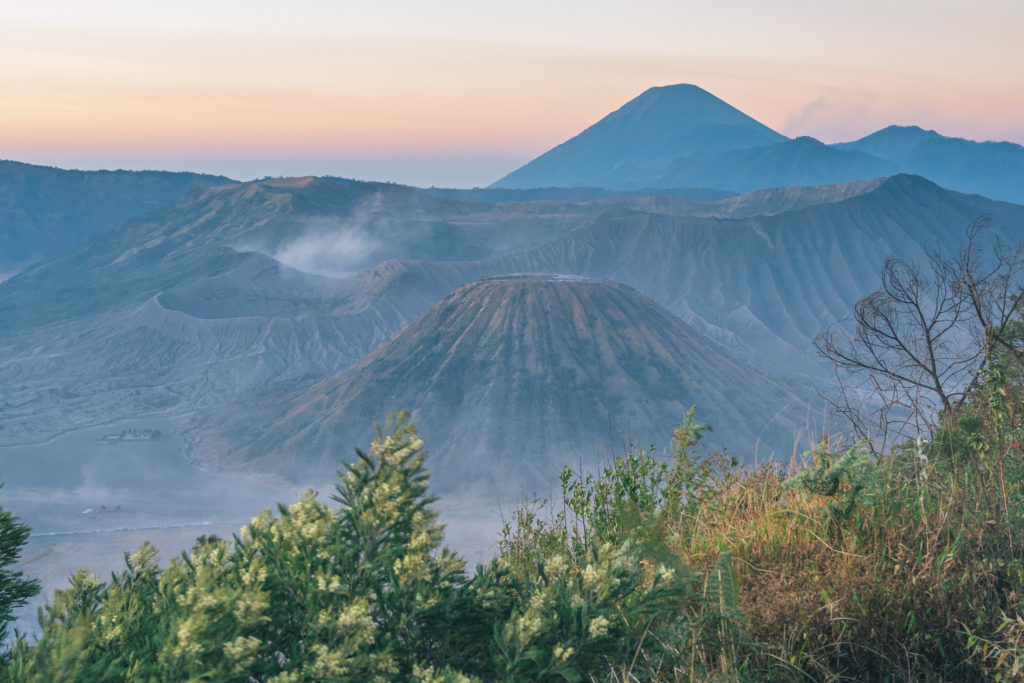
{"x": 906, "y": 566}
{"x": 312, "y": 594}
{"x": 359, "y": 592}
{"x": 635, "y": 503}
{"x": 851, "y": 566}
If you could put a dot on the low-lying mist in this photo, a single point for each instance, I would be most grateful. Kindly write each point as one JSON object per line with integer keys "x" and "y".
{"x": 94, "y": 494}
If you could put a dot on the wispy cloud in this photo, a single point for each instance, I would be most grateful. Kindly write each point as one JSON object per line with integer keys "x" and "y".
{"x": 836, "y": 117}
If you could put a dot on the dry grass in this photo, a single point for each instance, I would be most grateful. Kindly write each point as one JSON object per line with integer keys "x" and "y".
{"x": 888, "y": 591}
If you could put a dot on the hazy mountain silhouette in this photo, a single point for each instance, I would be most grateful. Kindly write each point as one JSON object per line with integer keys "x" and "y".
{"x": 341, "y": 227}
{"x": 682, "y": 136}
{"x": 512, "y": 377}
{"x": 994, "y": 169}
{"x": 800, "y": 162}
{"x": 45, "y": 211}
{"x": 648, "y": 132}
{"x": 497, "y": 195}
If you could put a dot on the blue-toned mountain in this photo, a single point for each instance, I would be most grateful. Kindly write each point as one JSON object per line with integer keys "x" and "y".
{"x": 800, "y": 162}
{"x": 994, "y": 169}
{"x": 45, "y": 211}
{"x": 683, "y": 137}
{"x": 647, "y": 133}
{"x": 173, "y": 312}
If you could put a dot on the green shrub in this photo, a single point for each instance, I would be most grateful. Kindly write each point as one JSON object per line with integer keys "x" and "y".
{"x": 907, "y": 565}
{"x": 15, "y": 588}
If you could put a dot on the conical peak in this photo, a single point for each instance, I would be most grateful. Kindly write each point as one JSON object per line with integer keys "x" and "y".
{"x": 651, "y": 131}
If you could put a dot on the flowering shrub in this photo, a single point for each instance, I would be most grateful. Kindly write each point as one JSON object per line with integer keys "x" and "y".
{"x": 312, "y": 594}
{"x": 898, "y": 566}
{"x": 362, "y": 591}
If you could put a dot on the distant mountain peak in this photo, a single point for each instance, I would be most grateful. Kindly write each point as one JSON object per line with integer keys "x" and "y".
{"x": 910, "y": 180}
{"x": 676, "y": 88}
{"x": 916, "y": 130}
{"x": 898, "y": 136}
{"x": 992, "y": 169}
{"x": 651, "y": 131}
{"x": 679, "y": 93}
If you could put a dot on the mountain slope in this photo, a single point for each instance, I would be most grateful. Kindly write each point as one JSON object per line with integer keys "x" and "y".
{"x": 188, "y": 322}
{"x": 994, "y": 169}
{"x": 763, "y": 284}
{"x": 45, "y": 211}
{"x": 496, "y": 195}
{"x": 319, "y": 225}
{"x": 800, "y": 162}
{"x": 250, "y": 325}
{"x": 682, "y": 137}
{"x": 648, "y": 132}
{"x": 512, "y": 377}
{"x": 322, "y": 226}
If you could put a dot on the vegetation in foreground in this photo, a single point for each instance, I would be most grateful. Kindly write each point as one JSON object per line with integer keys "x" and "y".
{"x": 906, "y": 564}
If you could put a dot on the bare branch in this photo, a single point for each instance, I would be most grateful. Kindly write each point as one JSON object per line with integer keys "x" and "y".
{"x": 912, "y": 349}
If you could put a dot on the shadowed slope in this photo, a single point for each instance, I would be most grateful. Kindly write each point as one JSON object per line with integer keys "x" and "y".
{"x": 803, "y": 161}
{"x": 762, "y": 285}
{"x": 342, "y": 226}
{"x": 164, "y": 316}
{"x": 45, "y": 211}
{"x": 683, "y": 137}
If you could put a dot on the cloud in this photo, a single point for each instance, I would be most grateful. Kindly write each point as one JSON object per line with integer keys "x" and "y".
{"x": 836, "y": 117}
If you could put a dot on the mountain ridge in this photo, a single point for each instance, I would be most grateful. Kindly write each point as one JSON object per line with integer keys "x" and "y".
{"x": 803, "y": 161}
{"x": 610, "y": 155}
{"x": 761, "y": 274}
{"x": 47, "y": 210}
{"x": 990, "y": 168}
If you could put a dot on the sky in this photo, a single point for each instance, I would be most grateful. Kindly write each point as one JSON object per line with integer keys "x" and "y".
{"x": 458, "y": 93}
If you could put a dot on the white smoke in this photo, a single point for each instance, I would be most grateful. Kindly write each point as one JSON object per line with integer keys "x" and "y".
{"x": 332, "y": 248}
{"x": 335, "y": 247}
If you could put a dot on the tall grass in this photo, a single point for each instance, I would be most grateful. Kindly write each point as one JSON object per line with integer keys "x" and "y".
{"x": 846, "y": 565}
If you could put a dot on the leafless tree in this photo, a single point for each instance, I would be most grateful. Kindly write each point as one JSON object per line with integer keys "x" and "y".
{"x": 912, "y": 348}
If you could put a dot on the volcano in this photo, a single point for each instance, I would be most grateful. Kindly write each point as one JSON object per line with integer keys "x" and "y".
{"x": 511, "y": 378}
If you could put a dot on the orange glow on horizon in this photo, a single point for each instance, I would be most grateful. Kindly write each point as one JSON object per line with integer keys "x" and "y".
{"x": 306, "y": 90}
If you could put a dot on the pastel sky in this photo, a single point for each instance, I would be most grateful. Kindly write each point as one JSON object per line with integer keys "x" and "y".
{"x": 459, "y": 92}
